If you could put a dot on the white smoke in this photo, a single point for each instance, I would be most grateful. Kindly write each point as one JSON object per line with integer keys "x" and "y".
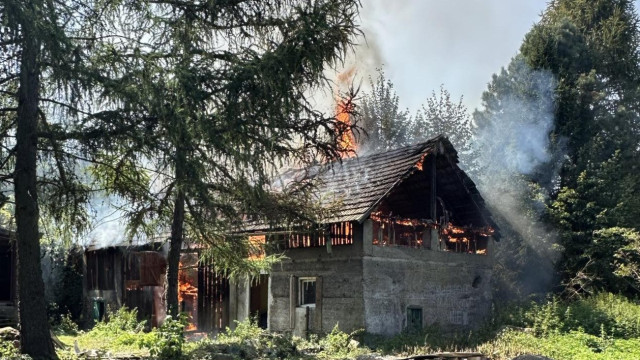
{"x": 516, "y": 161}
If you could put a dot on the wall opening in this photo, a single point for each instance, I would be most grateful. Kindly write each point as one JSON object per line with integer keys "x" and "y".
{"x": 307, "y": 291}
{"x": 336, "y": 233}
{"x": 414, "y": 319}
{"x": 259, "y": 300}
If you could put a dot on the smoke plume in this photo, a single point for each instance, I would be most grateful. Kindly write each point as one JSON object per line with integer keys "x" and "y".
{"x": 517, "y": 166}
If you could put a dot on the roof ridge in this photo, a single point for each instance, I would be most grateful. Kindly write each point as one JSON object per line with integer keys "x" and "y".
{"x": 418, "y": 145}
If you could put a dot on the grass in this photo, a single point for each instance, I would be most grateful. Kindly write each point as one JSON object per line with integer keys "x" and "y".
{"x": 573, "y": 345}
{"x": 604, "y": 326}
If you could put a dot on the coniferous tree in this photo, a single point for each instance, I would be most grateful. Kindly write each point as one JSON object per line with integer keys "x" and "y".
{"x": 224, "y": 90}
{"x": 187, "y": 119}
{"x": 41, "y": 93}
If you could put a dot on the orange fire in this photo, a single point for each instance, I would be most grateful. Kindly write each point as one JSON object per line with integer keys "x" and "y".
{"x": 420, "y": 164}
{"x": 256, "y": 250}
{"x": 347, "y": 142}
{"x": 187, "y": 292}
{"x": 344, "y": 108}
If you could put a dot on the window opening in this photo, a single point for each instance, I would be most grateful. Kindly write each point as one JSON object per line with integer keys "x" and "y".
{"x": 307, "y": 291}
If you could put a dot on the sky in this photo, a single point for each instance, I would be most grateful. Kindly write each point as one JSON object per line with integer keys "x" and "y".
{"x": 421, "y": 44}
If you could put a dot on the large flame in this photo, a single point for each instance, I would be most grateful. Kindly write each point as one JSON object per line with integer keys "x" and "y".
{"x": 346, "y": 142}
{"x": 187, "y": 292}
{"x": 344, "y": 108}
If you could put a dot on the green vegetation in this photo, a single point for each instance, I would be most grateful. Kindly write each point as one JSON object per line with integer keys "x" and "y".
{"x": 605, "y": 326}
{"x": 119, "y": 333}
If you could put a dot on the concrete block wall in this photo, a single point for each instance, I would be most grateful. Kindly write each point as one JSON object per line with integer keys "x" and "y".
{"x": 365, "y": 286}
{"x": 342, "y": 293}
{"x": 452, "y": 289}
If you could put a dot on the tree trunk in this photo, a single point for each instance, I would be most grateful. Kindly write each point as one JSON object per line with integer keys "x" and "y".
{"x": 175, "y": 243}
{"x": 34, "y": 323}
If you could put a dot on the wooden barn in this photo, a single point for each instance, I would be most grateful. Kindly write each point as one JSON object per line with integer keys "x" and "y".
{"x": 134, "y": 276}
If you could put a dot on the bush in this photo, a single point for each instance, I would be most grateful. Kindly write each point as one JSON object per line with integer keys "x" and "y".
{"x": 66, "y": 326}
{"x": 573, "y": 345}
{"x": 612, "y": 314}
{"x": 8, "y": 350}
{"x": 120, "y": 332}
{"x": 167, "y": 341}
{"x": 123, "y": 320}
{"x": 249, "y": 341}
{"x": 340, "y": 345}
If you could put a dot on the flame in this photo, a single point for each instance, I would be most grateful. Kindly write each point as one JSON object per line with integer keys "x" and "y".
{"x": 257, "y": 244}
{"x": 344, "y": 107}
{"x": 187, "y": 292}
{"x": 420, "y": 164}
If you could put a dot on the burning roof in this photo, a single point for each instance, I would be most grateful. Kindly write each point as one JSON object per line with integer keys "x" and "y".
{"x": 395, "y": 179}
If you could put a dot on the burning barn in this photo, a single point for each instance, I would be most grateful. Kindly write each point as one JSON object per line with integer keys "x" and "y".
{"x": 409, "y": 245}
{"x": 121, "y": 275}
{"x": 134, "y": 276}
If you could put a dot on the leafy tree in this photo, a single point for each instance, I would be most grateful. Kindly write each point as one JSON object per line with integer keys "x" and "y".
{"x": 442, "y": 116}
{"x": 386, "y": 125}
{"x": 591, "y": 47}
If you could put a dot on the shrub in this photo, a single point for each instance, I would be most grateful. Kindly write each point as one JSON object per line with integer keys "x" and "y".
{"x": 8, "y": 350}
{"x": 66, "y": 326}
{"x": 122, "y": 320}
{"x": 612, "y": 314}
{"x": 338, "y": 344}
{"x": 167, "y": 341}
{"x": 120, "y": 332}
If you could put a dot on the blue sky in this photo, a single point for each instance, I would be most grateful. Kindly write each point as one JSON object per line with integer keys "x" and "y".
{"x": 459, "y": 43}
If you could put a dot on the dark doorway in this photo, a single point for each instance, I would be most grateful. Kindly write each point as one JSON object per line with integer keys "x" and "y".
{"x": 414, "y": 319}
{"x": 259, "y": 300}
{"x": 6, "y": 272}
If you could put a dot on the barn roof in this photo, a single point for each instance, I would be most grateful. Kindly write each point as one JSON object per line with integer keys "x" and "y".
{"x": 360, "y": 185}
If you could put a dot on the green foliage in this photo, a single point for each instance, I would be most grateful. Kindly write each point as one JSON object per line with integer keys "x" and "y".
{"x": 442, "y": 115}
{"x": 119, "y": 333}
{"x": 386, "y": 125}
{"x": 589, "y": 176}
{"x": 166, "y": 343}
{"x": 244, "y": 331}
{"x": 8, "y": 350}
{"x": 249, "y": 341}
{"x": 340, "y": 345}
{"x": 598, "y": 315}
{"x": 66, "y": 326}
{"x": 122, "y": 320}
{"x": 575, "y": 345}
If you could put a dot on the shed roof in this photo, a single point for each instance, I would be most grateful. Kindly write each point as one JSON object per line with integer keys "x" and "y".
{"x": 360, "y": 184}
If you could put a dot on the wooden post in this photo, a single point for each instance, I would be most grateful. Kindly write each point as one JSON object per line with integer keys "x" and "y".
{"x": 318, "y": 310}
{"x": 433, "y": 199}
{"x": 293, "y": 301}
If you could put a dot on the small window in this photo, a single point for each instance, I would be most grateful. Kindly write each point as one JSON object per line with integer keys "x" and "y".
{"x": 307, "y": 291}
